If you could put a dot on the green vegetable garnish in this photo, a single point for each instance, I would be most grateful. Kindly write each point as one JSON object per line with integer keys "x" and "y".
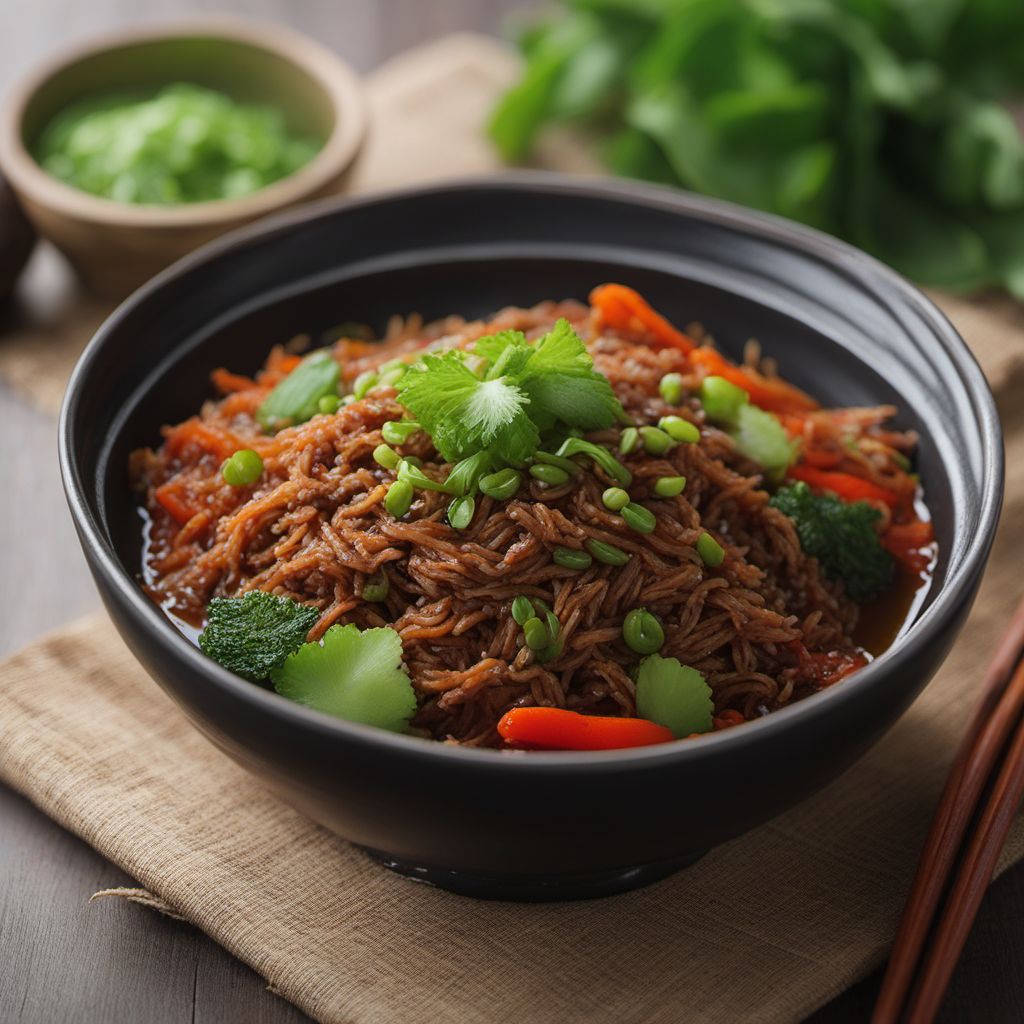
{"x": 553, "y": 476}
{"x": 669, "y": 486}
{"x": 887, "y": 122}
{"x": 376, "y": 588}
{"x": 398, "y": 499}
{"x": 615, "y": 499}
{"x": 643, "y": 631}
{"x": 460, "y": 512}
{"x": 242, "y": 468}
{"x": 297, "y": 398}
{"x": 500, "y": 396}
{"x": 465, "y": 475}
{"x": 842, "y": 536}
{"x": 604, "y": 458}
{"x": 386, "y": 456}
{"x": 655, "y": 440}
{"x": 711, "y": 552}
{"x": 606, "y": 553}
{"x": 638, "y": 518}
{"x": 536, "y": 634}
{"x": 501, "y": 485}
{"x": 671, "y": 388}
{"x": 253, "y": 634}
{"x": 185, "y": 144}
{"x": 571, "y": 558}
{"x": 722, "y": 400}
{"x": 629, "y": 441}
{"x": 522, "y": 609}
{"x": 353, "y": 674}
{"x": 673, "y": 695}
{"x": 760, "y": 436}
{"x": 679, "y": 429}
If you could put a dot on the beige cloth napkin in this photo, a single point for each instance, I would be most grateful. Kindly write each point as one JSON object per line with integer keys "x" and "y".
{"x": 765, "y": 928}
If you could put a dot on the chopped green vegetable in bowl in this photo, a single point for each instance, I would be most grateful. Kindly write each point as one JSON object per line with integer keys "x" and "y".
{"x": 185, "y": 144}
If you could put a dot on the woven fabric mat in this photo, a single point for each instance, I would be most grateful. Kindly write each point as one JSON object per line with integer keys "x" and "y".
{"x": 765, "y": 928}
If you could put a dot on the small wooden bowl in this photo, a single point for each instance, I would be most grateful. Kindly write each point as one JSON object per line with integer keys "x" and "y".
{"x": 116, "y": 246}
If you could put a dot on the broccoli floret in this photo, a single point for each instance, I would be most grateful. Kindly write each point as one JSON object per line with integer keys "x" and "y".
{"x": 252, "y": 635}
{"x": 841, "y": 536}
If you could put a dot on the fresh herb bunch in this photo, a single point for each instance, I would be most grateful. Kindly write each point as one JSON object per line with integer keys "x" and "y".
{"x": 877, "y": 120}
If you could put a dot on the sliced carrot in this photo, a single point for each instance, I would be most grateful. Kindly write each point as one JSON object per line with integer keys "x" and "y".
{"x": 623, "y": 309}
{"x": 771, "y": 393}
{"x": 172, "y": 498}
{"x": 727, "y": 719}
{"x": 843, "y": 485}
{"x": 226, "y": 382}
{"x": 195, "y": 432}
{"x": 559, "y": 729}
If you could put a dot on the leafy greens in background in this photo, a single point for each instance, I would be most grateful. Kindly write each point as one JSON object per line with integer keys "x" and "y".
{"x": 881, "y": 121}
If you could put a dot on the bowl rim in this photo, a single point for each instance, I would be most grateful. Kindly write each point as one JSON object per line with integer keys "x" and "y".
{"x": 926, "y": 629}
{"x": 340, "y": 85}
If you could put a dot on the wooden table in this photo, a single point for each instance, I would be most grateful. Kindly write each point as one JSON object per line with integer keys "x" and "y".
{"x": 63, "y": 959}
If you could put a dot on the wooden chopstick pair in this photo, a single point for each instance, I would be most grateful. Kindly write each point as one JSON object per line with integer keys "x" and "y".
{"x": 977, "y": 807}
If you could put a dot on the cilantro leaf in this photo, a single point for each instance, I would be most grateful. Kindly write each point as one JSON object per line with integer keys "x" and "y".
{"x": 673, "y": 695}
{"x": 252, "y": 635}
{"x": 464, "y": 414}
{"x": 353, "y": 674}
{"x": 563, "y": 385}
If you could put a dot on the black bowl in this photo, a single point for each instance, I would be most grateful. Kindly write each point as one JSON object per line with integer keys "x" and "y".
{"x": 541, "y": 825}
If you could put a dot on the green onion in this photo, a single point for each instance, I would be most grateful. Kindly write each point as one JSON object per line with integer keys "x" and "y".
{"x": 536, "y": 634}
{"x": 643, "y": 632}
{"x": 669, "y": 486}
{"x": 615, "y": 499}
{"x": 722, "y": 399}
{"x": 386, "y": 456}
{"x": 387, "y": 378}
{"x": 398, "y": 431}
{"x": 328, "y": 405}
{"x": 376, "y": 588}
{"x": 711, "y": 552}
{"x": 556, "y": 460}
{"x": 638, "y": 518}
{"x": 412, "y": 474}
{"x": 363, "y": 383}
{"x": 460, "y": 512}
{"x": 604, "y": 458}
{"x": 465, "y": 475}
{"x": 398, "y": 500}
{"x": 606, "y": 553}
{"x": 679, "y": 429}
{"x": 549, "y": 653}
{"x": 551, "y": 475}
{"x": 413, "y": 460}
{"x": 554, "y": 626}
{"x": 522, "y": 609}
{"x": 501, "y": 485}
{"x": 629, "y": 441}
{"x": 570, "y": 558}
{"x": 656, "y": 442}
{"x": 296, "y": 398}
{"x": 671, "y": 388}
{"x": 243, "y": 468}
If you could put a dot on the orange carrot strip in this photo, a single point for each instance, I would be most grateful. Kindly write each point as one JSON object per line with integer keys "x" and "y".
{"x": 769, "y": 393}
{"x": 210, "y": 439}
{"x": 727, "y": 719}
{"x": 621, "y": 308}
{"x": 843, "y": 485}
{"x": 225, "y": 381}
{"x": 558, "y": 729}
{"x": 171, "y": 497}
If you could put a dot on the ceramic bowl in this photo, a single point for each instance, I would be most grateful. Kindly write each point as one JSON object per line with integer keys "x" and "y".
{"x": 116, "y": 246}
{"x": 555, "y": 825}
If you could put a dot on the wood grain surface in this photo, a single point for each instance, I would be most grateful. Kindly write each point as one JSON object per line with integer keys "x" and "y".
{"x": 63, "y": 958}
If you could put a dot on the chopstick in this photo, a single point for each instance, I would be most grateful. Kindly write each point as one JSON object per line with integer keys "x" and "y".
{"x": 997, "y": 718}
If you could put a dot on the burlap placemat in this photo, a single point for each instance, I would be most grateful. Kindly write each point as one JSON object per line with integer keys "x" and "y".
{"x": 766, "y": 928}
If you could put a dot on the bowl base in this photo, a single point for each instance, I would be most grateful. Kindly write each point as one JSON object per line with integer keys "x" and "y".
{"x": 535, "y": 888}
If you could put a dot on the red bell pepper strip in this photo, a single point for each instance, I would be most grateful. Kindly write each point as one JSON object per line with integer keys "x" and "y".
{"x": 906, "y": 541}
{"x": 843, "y": 485}
{"x": 559, "y": 729}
